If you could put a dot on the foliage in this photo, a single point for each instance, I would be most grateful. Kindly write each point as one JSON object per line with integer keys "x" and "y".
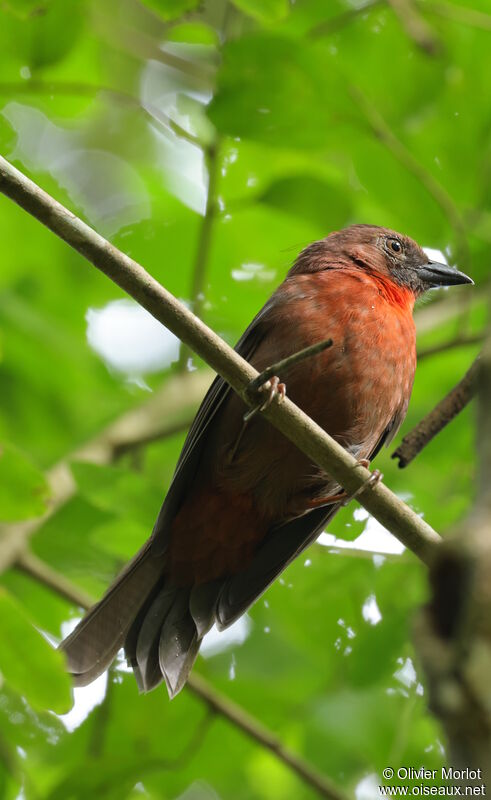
{"x": 312, "y": 116}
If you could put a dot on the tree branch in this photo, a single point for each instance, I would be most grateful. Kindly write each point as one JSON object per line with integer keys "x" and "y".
{"x": 179, "y": 397}
{"x": 443, "y": 413}
{"x": 416, "y": 26}
{"x": 309, "y": 437}
{"x": 334, "y": 24}
{"x": 289, "y": 361}
{"x": 451, "y": 344}
{"x": 198, "y": 686}
{"x": 204, "y": 240}
{"x": 78, "y": 89}
{"x": 383, "y": 132}
{"x": 453, "y": 633}
{"x": 462, "y": 16}
{"x": 262, "y": 736}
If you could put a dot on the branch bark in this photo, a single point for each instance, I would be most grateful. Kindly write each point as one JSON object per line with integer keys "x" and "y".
{"x": 453, "y": 633}
{"x": 309, "y": 437}
{"x": 416, "y": 26}
{"x": 204, "y": 239}
{"x": 434, "y": 422}
{"x": 450, "y": 344}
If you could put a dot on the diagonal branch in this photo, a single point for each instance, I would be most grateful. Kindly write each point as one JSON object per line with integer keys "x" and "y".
{"x": 443, "y": 413}
{"x": 339, "y": 21}
{"x": 216, "y": 702}
{"x": 78, "y": 89}
{"x": 453, "y": 633}
{"x": 179, "y": 398}
{"x": 450, "y": 344}
{"x": 309, "y": 437}
{"x": 204, "y": 239}
{"x": 385, "y": 134}
{"x": 458, "y": 14}
{"x": 415, "y": 26}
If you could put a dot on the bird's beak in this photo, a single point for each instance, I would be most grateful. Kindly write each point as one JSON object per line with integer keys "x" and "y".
{"x": 435, "y": 274}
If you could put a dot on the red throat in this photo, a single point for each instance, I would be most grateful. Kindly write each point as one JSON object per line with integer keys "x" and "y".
{"x": 398, "y": 296}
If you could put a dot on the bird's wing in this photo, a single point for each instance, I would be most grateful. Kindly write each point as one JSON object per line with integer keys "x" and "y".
{"x": 279, "y": 548}
{"x": 196, "y": 438}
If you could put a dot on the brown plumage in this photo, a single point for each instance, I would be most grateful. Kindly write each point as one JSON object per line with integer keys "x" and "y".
{"x": 245, "y": 501}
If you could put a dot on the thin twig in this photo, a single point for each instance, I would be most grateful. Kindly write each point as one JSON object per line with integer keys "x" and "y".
{"x": 204, "y": 241}
{"x": 309, "y": 437}
{"x": 146, "y": 47}
{"x": 286, "y": 363}
{"x": 452, "y": 632}
{"x": 100, "y": 720}
{"x": 166, "y": 431}
{"x": 31, "y": 565}
{"x": 451, "y": 344}
{"x": 416, "y": 26}
{"x": 448, "y": 408}
{"x": 216, "y": 702}
{"x": 261, "y": 735}
{"x": 462, "y": 16}
{"x": 334, "y": 24}
{"x": 78, "y": 89}
{"x": 179, "y": 397}
{"x": 383, "y": 132}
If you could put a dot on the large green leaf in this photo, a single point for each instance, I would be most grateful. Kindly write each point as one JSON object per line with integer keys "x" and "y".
{"x": 43, "y": 35}
{"x": 170, "y": 9}
{"x": 28, "y": 662}
{"x": 264, "y": 10}
{"x": 271, "y": 91}
{"x": 24, "y": 491}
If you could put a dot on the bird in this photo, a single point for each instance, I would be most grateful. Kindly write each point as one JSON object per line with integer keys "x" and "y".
{"x": 244, "y": 501}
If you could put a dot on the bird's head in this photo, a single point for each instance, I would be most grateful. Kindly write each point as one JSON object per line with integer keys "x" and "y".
{"x": 388, "y": 253}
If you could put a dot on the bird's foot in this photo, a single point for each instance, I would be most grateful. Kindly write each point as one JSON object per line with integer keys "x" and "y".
{"x": 372, "y": 481}
{"x": 274, "y": 388}
{"x": 344, "y": 497}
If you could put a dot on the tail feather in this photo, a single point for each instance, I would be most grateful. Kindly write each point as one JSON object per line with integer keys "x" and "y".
{"x": 160, "y": 625}
{"x": 202, "y": 605}
{"x": 178, "y": 645}
{"x": 94, "y": 643}
{"x": 145, "y": 656}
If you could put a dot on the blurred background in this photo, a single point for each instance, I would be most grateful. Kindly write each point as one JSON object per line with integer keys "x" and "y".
{"x": 211, "y": 141}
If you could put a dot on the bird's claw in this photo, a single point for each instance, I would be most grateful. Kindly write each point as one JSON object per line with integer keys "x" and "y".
{"x": 274, "y": 389}
{"x": 372, "y": 481}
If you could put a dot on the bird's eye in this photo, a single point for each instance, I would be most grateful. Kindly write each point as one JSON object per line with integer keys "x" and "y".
{"x": 395, "y": 245}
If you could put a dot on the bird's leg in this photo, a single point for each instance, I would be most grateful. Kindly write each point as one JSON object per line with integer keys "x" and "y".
{"x": 233, "y": 450}
{"x": 343, "y": 496}
{"x": 274, "y": 389}
{"x": 270, "y": 374}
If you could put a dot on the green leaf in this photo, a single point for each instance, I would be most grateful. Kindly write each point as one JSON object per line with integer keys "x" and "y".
{"x": 264, "y": 10}
{"x": 311, "y": 198}
{"x": 272, "y": 91}
{"x": 193, "y": 33}
{"x": 24, "y": 491}
{"x": 170, "y": 9}
{"x": 28, "y": 662}
{"x": 119, "y": 490}
{"x": 42, "y": 38}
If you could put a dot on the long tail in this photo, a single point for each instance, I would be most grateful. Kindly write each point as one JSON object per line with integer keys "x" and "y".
{"x": 159, "y": 624}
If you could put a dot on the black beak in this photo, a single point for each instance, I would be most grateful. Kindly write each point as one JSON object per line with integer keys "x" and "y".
{"x": 435, "y": 274}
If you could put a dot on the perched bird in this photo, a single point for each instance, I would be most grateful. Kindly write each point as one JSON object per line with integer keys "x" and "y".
{"x": 244, "y": 501}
